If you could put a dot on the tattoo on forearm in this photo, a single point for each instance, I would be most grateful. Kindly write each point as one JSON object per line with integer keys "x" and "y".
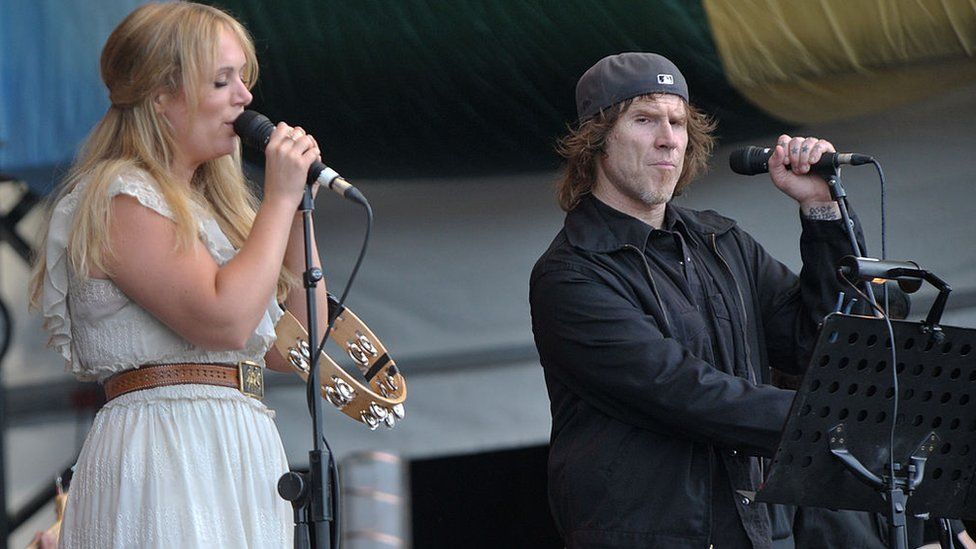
{"x": 822, "y": 213}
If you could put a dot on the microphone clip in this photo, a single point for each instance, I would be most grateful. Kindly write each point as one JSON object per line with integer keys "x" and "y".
{"x": 909, "y": 277}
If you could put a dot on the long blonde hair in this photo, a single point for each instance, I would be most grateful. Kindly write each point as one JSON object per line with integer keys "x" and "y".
{"x": 167, "y": 47}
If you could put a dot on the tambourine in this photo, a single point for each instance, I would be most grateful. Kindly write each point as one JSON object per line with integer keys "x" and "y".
{"x": 377, "y": 402}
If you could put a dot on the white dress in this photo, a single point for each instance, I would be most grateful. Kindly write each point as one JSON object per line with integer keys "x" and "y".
{"x": 181, "y": 466}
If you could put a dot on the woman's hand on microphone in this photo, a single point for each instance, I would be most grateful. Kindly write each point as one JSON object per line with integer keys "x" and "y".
{"x": 289, "y": 154}
{"x": 789, "y": 168}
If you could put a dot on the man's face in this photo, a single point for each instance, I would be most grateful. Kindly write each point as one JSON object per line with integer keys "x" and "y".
{"x": 645, "y": 152}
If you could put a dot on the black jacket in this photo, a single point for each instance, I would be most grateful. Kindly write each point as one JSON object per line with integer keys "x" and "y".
{"x": 638, "y": 415}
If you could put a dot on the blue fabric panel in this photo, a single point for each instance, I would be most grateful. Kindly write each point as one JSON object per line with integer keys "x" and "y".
{"x": 50, "y": 91}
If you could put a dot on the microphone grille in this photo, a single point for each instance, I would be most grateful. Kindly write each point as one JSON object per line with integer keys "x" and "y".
{"x": 254, "y": 129}
{"x": 749, "y": 160}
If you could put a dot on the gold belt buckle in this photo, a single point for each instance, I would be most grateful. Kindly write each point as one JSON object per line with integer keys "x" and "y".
{"x": 250, "y": 377}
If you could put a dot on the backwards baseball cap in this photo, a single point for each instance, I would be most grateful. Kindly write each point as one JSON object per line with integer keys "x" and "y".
{"x": 616, "y": 78}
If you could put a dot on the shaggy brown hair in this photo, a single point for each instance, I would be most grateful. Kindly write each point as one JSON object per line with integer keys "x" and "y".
{"x": 583, "y": 145}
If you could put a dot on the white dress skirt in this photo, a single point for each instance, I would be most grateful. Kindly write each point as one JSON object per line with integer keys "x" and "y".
{"x": 179, "y": 467}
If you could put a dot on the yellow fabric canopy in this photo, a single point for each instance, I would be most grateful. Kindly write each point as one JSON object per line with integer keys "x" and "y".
{"x": 809, "y": 61}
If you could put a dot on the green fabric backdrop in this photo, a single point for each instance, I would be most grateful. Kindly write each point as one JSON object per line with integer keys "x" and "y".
{"x": 415, "y": 88}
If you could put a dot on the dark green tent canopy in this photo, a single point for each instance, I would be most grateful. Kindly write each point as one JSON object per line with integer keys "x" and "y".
{"x": 431, "y": 88}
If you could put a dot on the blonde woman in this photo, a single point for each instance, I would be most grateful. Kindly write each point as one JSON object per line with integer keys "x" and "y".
{"x": 159, "y": 275}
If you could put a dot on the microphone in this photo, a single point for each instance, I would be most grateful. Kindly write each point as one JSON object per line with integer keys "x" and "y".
{"x": 907, "y": 273}
{"x": 255, "y": 129}
{"x": 755, "y": 160}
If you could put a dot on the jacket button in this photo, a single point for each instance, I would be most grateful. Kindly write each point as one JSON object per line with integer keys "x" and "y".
{"x": 745, "y": 501}
{"x": 735, "y": 452}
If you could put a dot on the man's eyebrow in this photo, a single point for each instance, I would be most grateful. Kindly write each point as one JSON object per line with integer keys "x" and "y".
{"x": 650, "y": 110}
{"x": 659, "y": 110}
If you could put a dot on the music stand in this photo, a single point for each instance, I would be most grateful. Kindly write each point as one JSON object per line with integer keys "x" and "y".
{"x": 836, "y": 440}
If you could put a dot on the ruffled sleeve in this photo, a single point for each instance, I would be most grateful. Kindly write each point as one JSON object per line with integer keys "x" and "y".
{"x": 139, "y": 186}
{"x": 54, "y": 294}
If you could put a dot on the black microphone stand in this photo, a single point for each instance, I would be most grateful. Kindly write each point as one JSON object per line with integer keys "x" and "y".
{"x": 310, "y": 493}
{"x": 831, "y": 175}
{"x": 898, "y": 481}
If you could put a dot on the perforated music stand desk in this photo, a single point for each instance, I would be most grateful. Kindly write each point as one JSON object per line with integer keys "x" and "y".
{"x": 849, "y": 385}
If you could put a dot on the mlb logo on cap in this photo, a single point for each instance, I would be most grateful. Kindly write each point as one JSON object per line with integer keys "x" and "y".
{"x": 619, "y": 77}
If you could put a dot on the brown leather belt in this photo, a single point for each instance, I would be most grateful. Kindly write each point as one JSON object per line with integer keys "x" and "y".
{"x": 245, "y": 376}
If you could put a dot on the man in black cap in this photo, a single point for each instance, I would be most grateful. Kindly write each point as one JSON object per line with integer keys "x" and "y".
{"x": 654, "y": 323}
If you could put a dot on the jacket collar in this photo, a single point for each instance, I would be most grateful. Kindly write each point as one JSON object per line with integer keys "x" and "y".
{"x": 594, "y": 226}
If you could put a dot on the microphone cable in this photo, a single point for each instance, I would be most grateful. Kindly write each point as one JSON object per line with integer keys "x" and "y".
{"x": 891, "y": 332}
{"x": 884, "y": 230}
{"x": 352, "y": 276}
